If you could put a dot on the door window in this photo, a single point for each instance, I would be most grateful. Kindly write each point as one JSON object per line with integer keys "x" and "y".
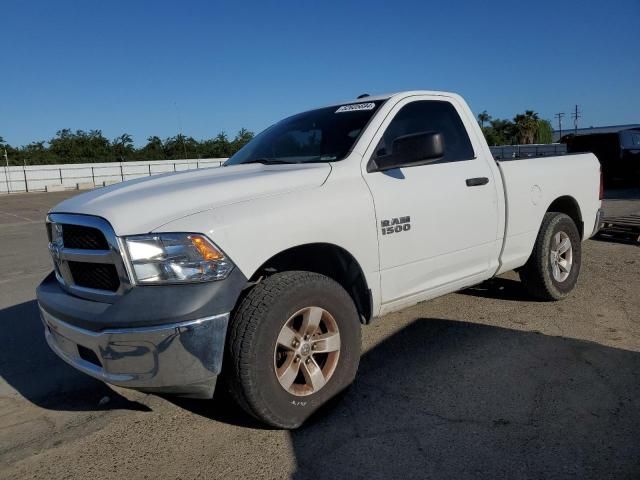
{"x": 429, "y": 116}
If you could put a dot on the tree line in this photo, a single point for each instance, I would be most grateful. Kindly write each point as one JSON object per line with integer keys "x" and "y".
{"x": 525, "y": 128}
{"x": 92, "y": 146}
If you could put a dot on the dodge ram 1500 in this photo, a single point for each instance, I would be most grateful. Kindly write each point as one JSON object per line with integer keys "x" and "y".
{"x": 260, "y": 272}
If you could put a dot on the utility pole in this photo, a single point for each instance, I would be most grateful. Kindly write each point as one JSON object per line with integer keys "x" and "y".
{"x": 184, "y": 147}
{"x": 575, "y": 115}
{"x": 559, "y": 116}
{"x": 6, "y": 168}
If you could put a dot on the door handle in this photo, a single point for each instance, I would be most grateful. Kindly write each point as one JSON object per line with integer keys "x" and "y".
{"x": 476, "y": 182}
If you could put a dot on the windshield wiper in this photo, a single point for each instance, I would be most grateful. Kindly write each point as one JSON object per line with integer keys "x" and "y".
{"x": 267, "y": 161}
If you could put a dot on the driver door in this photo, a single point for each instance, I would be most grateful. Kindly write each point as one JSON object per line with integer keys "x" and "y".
{"x": 437, "y": 223}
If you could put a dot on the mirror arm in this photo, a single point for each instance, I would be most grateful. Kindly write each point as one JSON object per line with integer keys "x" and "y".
{"x": 372, "y": 166}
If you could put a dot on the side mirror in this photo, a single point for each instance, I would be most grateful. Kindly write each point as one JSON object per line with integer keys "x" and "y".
{"x": 410, "y": 150}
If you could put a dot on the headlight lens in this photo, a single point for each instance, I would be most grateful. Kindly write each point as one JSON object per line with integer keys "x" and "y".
{"x": 176, "y": 258}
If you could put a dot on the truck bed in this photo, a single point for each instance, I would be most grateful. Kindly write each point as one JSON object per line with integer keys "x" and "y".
{"x": 513, "y": 152}
{"x": 531, "y": 187}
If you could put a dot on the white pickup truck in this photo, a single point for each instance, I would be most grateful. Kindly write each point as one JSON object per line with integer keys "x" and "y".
{"x": 262, "y": 271}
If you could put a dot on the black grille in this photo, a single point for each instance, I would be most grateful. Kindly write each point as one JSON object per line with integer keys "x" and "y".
{"x": 84, "y": 238}
{"x": 101, "y": 276}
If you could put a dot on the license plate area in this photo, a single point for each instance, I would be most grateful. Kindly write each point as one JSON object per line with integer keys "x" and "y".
{"x": 68, "y": 347}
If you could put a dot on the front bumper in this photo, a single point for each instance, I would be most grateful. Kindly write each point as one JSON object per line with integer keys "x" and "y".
{"x": 181, "y": 358}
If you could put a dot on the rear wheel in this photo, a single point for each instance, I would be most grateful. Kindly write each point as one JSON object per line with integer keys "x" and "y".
{"x": 551, "y": 273}
{"x": 294, "y": 343}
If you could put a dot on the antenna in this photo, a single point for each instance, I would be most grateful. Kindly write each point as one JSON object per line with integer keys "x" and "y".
{"x": 576, "y": 114}
{"x": 559, "y": 116}
{"x": 364, "y": 95}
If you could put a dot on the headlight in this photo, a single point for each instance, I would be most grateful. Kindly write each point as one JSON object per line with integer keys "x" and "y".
{"x": 176, "y": 258}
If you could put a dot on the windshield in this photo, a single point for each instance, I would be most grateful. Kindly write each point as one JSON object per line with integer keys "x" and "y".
{"x": 323, "y": 135}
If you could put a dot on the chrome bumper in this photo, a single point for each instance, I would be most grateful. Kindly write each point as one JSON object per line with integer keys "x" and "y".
{"x": 181, "y": 358}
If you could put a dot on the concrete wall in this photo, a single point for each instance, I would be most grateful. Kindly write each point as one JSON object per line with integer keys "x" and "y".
{"x": 36, "y": 178}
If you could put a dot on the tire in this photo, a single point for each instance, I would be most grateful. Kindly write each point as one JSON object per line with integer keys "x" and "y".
{"x": 539, "y": 276}
{"x": 255, "y": 353}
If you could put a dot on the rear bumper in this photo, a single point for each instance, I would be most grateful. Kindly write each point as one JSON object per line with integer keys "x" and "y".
{"x": 182, "y": 358}
{"x": 598, "y": 222}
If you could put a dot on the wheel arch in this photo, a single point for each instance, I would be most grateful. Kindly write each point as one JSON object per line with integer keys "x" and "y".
{"x": 326, "y": 259}
{"x": 569, "y": 206}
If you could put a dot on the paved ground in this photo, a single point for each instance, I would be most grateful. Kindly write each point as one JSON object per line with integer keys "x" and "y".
{"x": 478, "y": 384}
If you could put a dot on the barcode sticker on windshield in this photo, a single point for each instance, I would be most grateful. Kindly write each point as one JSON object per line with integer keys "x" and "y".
{"x": 354, "y": 107}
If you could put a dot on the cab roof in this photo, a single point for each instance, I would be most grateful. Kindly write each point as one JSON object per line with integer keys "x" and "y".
{"x": 387, "y": 96}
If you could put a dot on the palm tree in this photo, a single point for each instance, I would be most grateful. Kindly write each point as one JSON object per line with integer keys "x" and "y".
{"x": 526, "y": 126}
{"x": 123, "y": 145}
{"x": 483, "y": 117}
{"x": 125, "y": 140}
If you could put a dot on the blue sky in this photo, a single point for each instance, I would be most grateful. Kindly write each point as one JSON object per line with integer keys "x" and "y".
{"x": 151, "y": 68}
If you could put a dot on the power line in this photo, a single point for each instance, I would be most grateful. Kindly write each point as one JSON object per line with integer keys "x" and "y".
{"x": 576, "y": 114}
{"x": 184, "y": 147}
{"x": 559, "y": 116}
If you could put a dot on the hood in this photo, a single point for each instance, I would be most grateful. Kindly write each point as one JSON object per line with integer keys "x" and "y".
{"x": 141, "y": 205}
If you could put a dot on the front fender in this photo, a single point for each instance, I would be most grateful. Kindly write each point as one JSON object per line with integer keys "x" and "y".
{"x": 251, "y": 232}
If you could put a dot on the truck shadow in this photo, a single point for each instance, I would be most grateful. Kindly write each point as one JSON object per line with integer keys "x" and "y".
{"x": 501, "y": 289}
{"x": 447, "y": 399}
{"x": 451, "y": 399}
{"x": 35, "y": 372}
{"x": 439, "y": 398}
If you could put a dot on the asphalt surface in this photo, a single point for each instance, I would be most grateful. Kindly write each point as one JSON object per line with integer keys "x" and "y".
{"x": 479, "y": 384}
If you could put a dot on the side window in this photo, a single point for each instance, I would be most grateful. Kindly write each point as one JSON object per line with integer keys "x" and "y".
{"x": 429, "y": 116}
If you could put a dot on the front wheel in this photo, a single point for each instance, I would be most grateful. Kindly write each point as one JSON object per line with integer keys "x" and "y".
{"x": 294, "y": 343}
{"x": 551, "y": 273}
